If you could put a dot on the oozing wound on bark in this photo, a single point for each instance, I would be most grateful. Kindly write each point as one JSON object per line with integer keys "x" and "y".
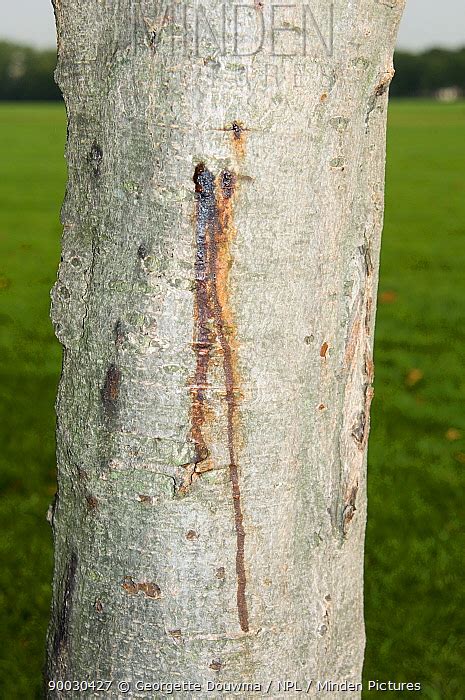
{"x": 214, "y": 327}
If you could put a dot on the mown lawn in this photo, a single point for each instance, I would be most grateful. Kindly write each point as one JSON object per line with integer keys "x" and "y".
{"x": 415, "y": 594}
{"x": 32, "y": 175}
{"x": 415, "y": 601}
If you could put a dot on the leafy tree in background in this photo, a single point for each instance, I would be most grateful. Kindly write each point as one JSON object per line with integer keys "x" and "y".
{"x": 27, "y": 74}
{"x": 421, "y": 75}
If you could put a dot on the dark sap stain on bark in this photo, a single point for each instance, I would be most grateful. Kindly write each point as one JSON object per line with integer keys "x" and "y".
{"x": 227, "y": 183}
{"x": 214, "y": 327}
{"x": 199, "y": 174}
{"x": 204, "y": 334}
{"x": 148, "y": 588}
{"x": 110, "y": 391}
{"x": 95, "y": 158}
{"x": 60, "y": 640}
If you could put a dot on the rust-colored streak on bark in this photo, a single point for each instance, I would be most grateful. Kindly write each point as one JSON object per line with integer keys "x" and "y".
{"x": 214, "y": 321}
{"x": 227, "y": 337}
{"x": 238, "y": 132}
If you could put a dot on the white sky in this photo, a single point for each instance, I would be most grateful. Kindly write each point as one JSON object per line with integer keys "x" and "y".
{"x": 426, "y": 23}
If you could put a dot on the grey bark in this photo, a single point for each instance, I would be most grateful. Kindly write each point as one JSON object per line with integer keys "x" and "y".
{"x": 215, "y": 302}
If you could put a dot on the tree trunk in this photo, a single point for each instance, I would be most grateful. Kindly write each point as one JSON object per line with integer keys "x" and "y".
{"x": 215, "y": 302}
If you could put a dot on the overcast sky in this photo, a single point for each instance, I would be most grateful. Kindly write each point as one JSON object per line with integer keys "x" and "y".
{"x": 426, "y": 23}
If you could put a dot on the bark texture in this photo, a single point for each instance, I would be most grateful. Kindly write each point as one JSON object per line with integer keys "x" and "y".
{"x": 215, "y": 302}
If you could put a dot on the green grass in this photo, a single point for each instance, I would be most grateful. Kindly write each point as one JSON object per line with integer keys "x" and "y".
{"x": 415, "y": 602}
{"x": 32, "y": 175}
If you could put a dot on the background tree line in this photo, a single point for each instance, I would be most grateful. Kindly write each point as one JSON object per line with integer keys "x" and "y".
{"x": 421, "y": 75}
{"x": 27, "y": 74}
